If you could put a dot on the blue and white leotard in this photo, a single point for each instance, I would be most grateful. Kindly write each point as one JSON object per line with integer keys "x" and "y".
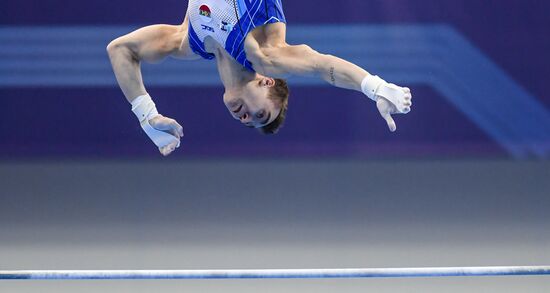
{"x": 229, "y": 22}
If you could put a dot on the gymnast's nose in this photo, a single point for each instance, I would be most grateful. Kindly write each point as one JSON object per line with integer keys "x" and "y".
{"x": 245, "y": 118}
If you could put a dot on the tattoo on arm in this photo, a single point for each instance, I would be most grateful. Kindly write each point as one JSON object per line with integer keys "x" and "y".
{"x": 332, "y": 78}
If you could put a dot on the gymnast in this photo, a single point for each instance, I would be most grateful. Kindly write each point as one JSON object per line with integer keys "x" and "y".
{"x": 247, "y": 38}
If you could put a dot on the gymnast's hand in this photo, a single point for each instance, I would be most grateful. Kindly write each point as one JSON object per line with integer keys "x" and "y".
{"x": 390, "y": 99}
{"x": 164, "y": 132}
{"x": 401, "y": 95}
{"x": 171, "y": 127}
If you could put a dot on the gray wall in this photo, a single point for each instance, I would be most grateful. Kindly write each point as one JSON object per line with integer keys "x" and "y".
{"x": 275, "y": 214}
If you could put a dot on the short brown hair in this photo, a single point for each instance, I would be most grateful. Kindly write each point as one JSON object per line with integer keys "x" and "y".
{"x": 279, "y": 95}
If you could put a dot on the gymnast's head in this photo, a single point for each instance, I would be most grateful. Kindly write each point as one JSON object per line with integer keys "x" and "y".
{"x": 261, "y": 103}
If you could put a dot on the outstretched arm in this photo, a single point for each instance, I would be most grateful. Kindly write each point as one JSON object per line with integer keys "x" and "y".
{"x": 302, "y": 60}
{"x": 150, "y": 44}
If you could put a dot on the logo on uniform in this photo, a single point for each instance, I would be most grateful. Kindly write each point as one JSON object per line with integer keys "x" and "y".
{"x": 226, "y": 27}
{"x": 205, "y": 13}
{"x": 208, "y": 28}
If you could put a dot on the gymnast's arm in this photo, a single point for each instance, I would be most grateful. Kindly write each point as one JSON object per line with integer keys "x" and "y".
{"x": 150, "y": 44}
{"x": 302, "y": 60}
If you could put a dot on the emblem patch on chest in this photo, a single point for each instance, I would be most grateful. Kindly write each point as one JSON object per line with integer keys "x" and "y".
{"x": 226, "y": 27}
{"x": 205, "y": 13}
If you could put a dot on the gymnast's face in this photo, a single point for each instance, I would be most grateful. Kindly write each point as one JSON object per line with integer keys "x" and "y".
{"x": 251, "y": 104}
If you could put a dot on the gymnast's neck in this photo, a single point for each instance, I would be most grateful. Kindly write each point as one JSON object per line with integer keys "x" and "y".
{"x": 232, "y": 74}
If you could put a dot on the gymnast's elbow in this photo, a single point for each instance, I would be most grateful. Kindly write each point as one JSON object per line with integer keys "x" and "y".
{"x": 112, "y": 47}
{"x": 118, "y": 47}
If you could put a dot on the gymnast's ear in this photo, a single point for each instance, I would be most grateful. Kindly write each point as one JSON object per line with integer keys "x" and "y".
{"x": 267, "y": 82}
{"x": 279, "y": 95}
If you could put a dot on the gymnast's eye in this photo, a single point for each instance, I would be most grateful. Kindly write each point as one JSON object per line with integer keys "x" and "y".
{"x": 261, "y": 114}
{"x": 238, "y": 109}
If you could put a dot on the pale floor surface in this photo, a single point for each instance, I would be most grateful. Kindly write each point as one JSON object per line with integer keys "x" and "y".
{"x": 307, "y": 214}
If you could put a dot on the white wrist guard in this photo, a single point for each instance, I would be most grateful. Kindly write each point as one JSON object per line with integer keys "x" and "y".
{"x": 374, "y": 87}
{"x": 370, "y": 84}
{"x": 145, "y": 109}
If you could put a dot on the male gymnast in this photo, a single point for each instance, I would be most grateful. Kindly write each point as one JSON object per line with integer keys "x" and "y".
{"x": 248, "y": 40}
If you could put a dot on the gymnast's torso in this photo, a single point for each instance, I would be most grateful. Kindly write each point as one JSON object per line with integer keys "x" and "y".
{"x": 228, "y": 22}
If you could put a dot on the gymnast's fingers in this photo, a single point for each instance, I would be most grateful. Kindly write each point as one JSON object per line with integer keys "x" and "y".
{"x": 176, "y": 128}
{"x": 389, "y": 120}
{"x": 385, "y": 108}
{"x": 168, "y": 149}
{"x": 168, "y": 125}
